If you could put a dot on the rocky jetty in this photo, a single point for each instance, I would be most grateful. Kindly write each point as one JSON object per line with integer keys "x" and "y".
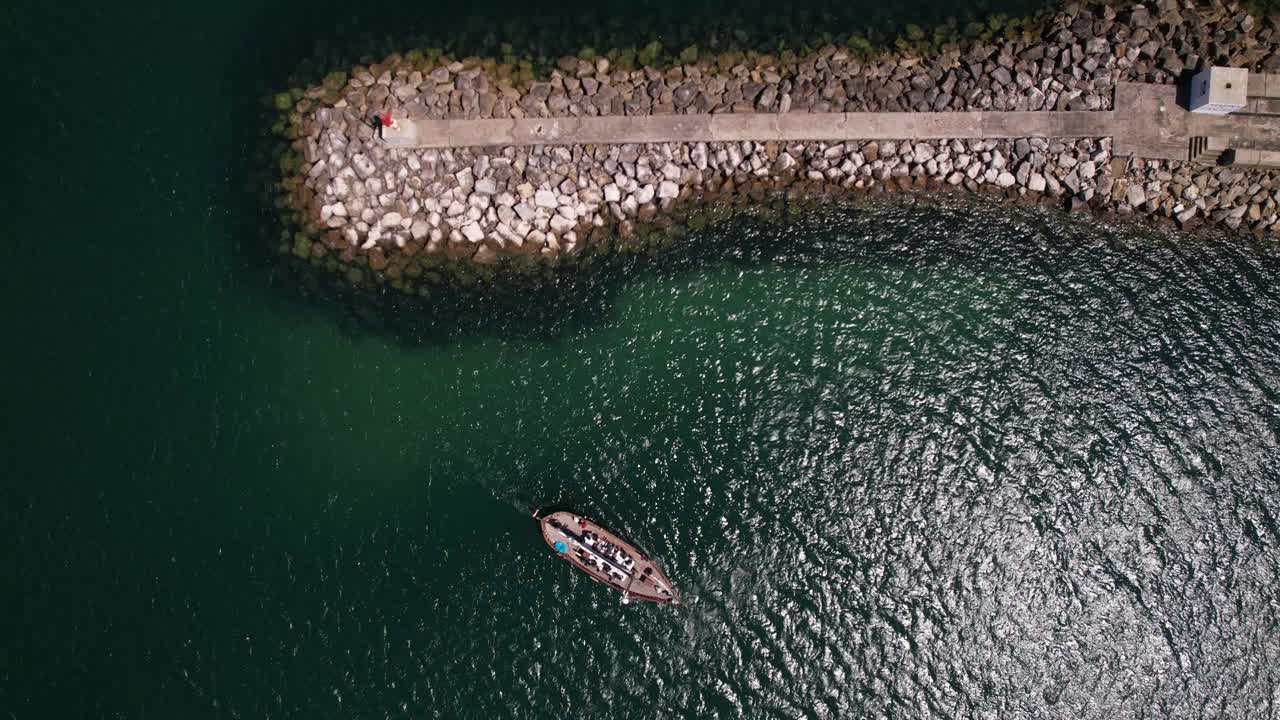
{"x": 402, "y": 212}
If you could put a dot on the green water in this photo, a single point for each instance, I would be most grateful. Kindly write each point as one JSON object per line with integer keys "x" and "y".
{"x": 915, "y": 462}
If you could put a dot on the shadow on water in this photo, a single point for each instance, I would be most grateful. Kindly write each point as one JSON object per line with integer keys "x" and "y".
{"x": 316, "y": 44}
{"x": 583, "y": 296}
{"x": 571, "y": 300}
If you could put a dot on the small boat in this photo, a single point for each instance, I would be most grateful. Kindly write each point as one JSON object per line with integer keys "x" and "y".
{"x": 606, "y": 557}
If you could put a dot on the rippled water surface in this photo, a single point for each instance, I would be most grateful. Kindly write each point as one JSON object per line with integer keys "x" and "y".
{"x": 916, "y": 462}
{"x": 919, "y": 462}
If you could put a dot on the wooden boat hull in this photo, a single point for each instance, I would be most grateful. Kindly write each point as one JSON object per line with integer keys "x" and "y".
{"x": 607, "y": 558}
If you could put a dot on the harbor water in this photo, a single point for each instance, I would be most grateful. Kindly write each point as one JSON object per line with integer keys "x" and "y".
{"x": 928, "y": 459}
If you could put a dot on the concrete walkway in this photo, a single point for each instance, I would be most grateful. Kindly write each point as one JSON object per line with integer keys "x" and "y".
{"x": 1151, "y": 124}
{"x": 737, "y": 127}
{"x": 1147, "y": 122}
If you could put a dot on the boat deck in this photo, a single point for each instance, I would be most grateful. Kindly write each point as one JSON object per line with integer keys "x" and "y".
{"x": 603, "y": 555}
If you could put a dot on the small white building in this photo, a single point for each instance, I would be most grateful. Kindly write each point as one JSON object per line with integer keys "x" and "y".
{"x": 1219, "y": 90}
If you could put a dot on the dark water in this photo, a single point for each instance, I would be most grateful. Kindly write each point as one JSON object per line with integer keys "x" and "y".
{"x": 920, "y": 462}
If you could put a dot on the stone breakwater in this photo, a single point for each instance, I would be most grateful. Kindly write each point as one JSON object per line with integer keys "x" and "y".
{"x": 401, "y": 212}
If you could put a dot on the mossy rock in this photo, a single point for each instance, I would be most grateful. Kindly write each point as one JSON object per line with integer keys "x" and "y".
{"x": 649, "y": 53}
{"x": 626, "y": 59}
{"x": 335, "y": 80}
{"x": 283, "y": 101}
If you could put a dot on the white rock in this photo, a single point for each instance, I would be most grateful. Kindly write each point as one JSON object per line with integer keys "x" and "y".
{"x": 486, "y": 186}
{"x": 735, "y": 156}
{"x": 644, "y": 194}
{"x": 1006, "y": 179}
{"x": 510, "y": 235}
{"x": 546, "y": 199}
{"x": 472, "y": 232}
{"x": 363, "y": 165}
{"x": 560, "y": 224}
{"x": 391, "y": 220}
{"x": 668, "y": 189}
{"x": 419, "y": 229}
{"x": 698, "y": 154}
{"x": 1136, "y": 196}
{"x": 612, "y": 193}
{"x": 466, "y": 178}
{"x": 1036, "y": 183}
